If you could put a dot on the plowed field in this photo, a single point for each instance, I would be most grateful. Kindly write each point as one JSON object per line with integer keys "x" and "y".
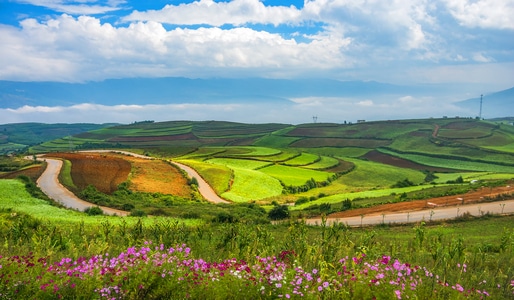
{"x": 156, "y": 176}
{"x": 468, "y": 198}
{"x": 105, "y": 172}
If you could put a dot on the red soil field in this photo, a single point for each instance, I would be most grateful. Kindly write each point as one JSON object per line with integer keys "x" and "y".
{"x": 105, "y": 172}
{"x": 468, "y": 198}
{"x": 402, "y": 163}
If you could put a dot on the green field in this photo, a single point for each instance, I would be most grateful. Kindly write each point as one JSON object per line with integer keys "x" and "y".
{"x": 294, "y": 176}
{"x": 252, "y": 185}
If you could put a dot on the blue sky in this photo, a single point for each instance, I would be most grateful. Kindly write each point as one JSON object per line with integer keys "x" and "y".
{"x": 465, "y": 43}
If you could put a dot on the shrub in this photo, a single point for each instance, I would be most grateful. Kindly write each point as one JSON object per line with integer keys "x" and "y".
{"x": 94, "y": 211}
{"x": 279, "y": 212}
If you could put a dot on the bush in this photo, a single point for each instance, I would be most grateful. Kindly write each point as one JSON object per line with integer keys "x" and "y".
{"x": 138, "y": 213}
{"x": 94, "y": 211}
{"x": 279, "y": 212}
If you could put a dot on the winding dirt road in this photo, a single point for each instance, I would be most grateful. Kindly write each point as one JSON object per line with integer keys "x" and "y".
{"x": 49, "y": 184}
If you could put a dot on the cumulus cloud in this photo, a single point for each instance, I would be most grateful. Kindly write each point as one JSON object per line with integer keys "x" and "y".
{"x": 84, "y": 48}
{"x": 328, "y": 38}
{"x": 483, "y": 13}
{"x": 236, "y": 12}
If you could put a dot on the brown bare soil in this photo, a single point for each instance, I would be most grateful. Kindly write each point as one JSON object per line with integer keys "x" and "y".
{"x": 32, "y": 172}
{"x": 402, "y": 163}
{"x": 105, "y": 172}
{"x": 157, "y": 176}
{"x": 477, "y": 196}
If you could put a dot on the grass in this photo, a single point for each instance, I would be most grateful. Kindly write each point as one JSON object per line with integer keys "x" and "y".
{"x": 217, "y": 176}
{"x": 234, "y": 163}
{"x": 294, "y": 176}
{"x": 324, "y": 163}
{"x": 303, "y": 160}
{"x": 250, "y": 185}
{"x": 65, "y": 175}
{"x": 452, "y": 163}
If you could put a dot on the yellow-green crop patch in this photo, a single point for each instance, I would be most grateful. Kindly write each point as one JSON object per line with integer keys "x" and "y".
{"x": 324, "y": 163}
{"x": 238, "y": 163}
{"x": 303, "y": 160}
{"x": 217, "y": 176}
{"x": 292, "y": 176}
{"x": 251, "y": 185}
{"x": 250, "y": 151}
{"x": 371, "y": 175}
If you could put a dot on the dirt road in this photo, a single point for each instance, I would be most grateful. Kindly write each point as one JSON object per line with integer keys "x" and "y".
{"x": 50, "y": 185}
{"x": 443, "y": 213}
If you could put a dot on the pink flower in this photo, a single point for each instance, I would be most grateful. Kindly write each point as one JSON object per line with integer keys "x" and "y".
{"x": 398, "y": 294}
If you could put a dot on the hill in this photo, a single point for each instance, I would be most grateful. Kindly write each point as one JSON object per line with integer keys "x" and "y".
{"x": 183, "y": 90}
{"x": 20, "y": 136}
{"x": 499, "y": 104}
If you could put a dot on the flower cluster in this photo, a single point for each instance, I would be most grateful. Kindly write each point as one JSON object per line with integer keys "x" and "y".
{"x": 147, "y": 269}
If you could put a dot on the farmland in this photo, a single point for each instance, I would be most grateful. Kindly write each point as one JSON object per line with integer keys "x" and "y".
{"x": 309, "y": 171}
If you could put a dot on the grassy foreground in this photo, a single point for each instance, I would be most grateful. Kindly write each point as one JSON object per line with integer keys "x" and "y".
{"x": 130, "y": 258}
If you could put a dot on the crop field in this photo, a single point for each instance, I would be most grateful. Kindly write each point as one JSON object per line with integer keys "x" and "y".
{"x": 303, "y": 159}
{"x": 291, "y": 176}
{"x": 453, "y": 164}
{"x": 87, "y": 167}
{"x": 339, "y": 142}
{"x": 324, "y": 163}
{"x": 234, "y": 163}
{"x": 218, "y": 176}
{"x": 249, "y": 185}
{"x": 254, "y": 166}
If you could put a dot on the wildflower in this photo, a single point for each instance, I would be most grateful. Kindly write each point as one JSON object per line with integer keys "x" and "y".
{"x": 398, "y": 294}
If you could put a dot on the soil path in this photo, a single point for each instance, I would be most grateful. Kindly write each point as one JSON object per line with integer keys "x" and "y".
{"x": 444, "y": 213}
{"x": 203, "y": 187}
{"x": 49, "y": 183}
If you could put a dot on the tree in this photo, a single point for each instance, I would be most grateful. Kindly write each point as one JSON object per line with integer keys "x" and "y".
{"x": 279, "y": 212}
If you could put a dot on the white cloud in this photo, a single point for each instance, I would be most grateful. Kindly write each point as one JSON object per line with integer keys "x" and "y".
{"x": 496, "y": 14}
{"x": 236, "y": 12}
{"x": 83, "y": 49}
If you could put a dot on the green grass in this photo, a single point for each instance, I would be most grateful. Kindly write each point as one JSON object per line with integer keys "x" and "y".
{"x": 303, "y": 160}
{"x": 217, "y": 176}
{"x": 452, "y": 163}
{"x": 238, "y": 163}
{"x": 326, "y": 162}
{"x": 372, "y": 175}
{"x": 292, "y": 176}
{"x": 251, "y": 185}
{"x": 16, "y": 198}
{"x": 65, "y": 175}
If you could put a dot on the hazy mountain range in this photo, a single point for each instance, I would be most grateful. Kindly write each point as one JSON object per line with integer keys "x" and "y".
{"x": 217, "y": 90}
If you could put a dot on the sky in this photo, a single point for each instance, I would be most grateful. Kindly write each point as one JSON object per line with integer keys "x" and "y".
{"x": 468, "y": 44}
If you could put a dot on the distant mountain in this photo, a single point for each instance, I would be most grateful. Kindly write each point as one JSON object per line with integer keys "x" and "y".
{"x": 182, "y": 90}
{"x": 499, "y": 104}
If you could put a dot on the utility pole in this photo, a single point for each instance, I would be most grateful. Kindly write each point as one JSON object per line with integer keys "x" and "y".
{"x": 480, "y": 114}
{"x": 315, "y": 119}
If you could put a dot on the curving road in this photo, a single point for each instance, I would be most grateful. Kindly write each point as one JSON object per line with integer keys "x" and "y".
{"x": 445, "y": 213}
{"x": 49, "y": 183}
{"x": 203, "y": 187}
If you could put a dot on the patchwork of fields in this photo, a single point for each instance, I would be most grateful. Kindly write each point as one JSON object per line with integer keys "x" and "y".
{"x": 281, "y": 163}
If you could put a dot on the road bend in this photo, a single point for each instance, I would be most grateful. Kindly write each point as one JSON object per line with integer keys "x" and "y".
{"x": 49, "y": 183}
